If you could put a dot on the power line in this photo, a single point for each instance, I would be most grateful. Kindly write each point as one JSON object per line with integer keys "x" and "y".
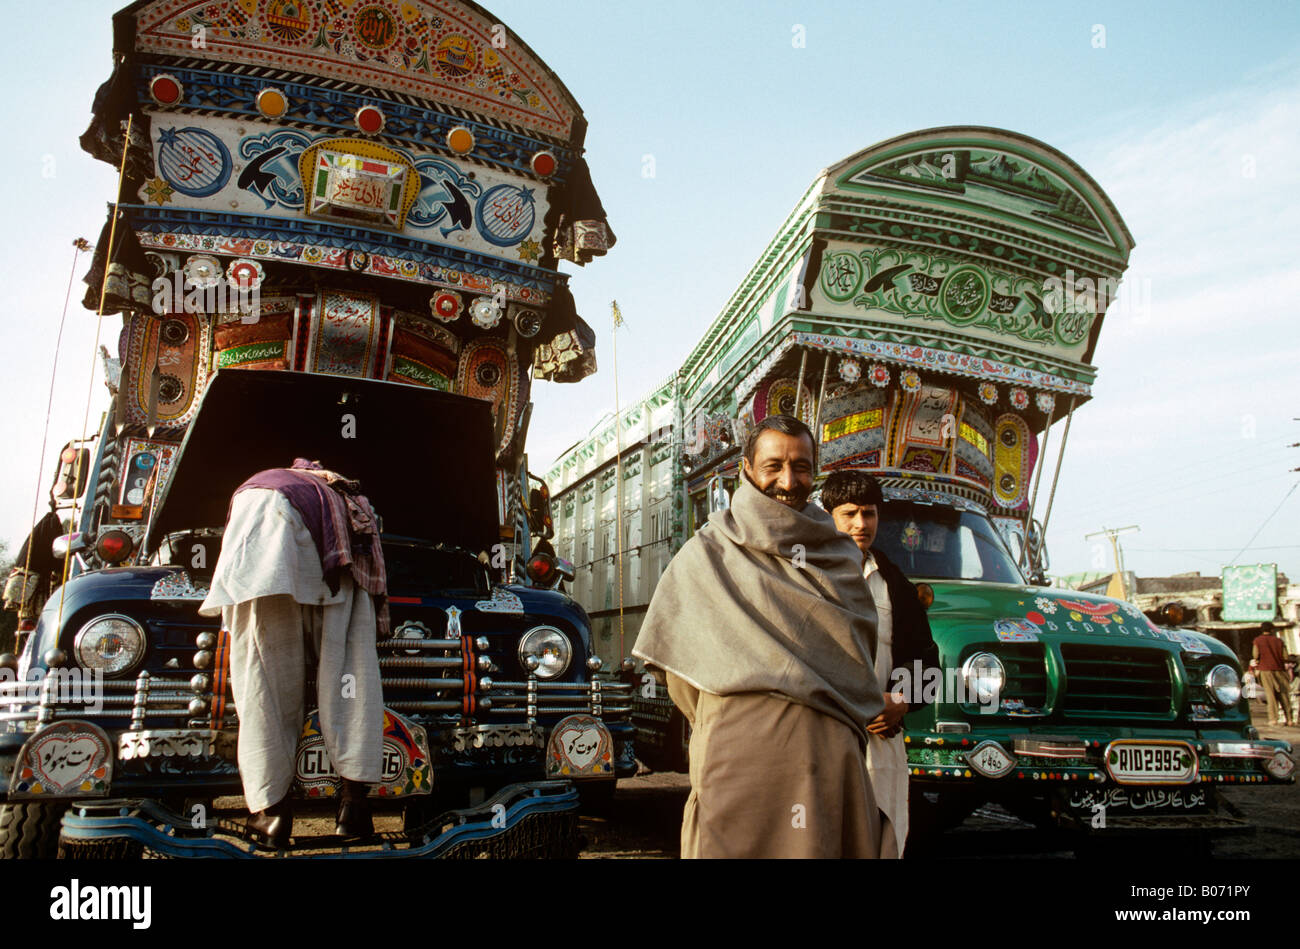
{"x": 1265, "y": 524}
{"x": 1136, "y": 491}
{"x": 1169, "y": 550}
{"x": 1117, "y": 507}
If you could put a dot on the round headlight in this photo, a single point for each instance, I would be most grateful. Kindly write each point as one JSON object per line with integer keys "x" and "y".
{"x": 549, "y": 647}
{"x": 984, "y": 677}
{"x": 1224, "y": 685}
{"x": 113, "y": 644}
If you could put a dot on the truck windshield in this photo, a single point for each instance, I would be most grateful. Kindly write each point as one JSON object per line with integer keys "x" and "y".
{"x": 941, "y": 543}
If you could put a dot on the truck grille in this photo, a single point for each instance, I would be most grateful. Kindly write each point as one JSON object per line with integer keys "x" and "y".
{"x": 439, "y": 684}
{"x": 1111, "y": 681}
{"x": 1026, "y": 674}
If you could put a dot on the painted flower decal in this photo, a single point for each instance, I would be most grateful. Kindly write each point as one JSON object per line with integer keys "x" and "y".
{"x": 158, "y": 191}
{"x": 879, "y": 375}
{"x": 530, "y": 251}
{"x": 484, "y": 313}
{"x": 988, "y": 393}
{"x": 1020, "y": 399}
{"x": 202, "y": 271}
{"x": 849, "y": 369}
{"x": 1045, "y": 605}
{"x": 910, "y": 381}
{"x": 1046, "y": 402}
{"x": 245, "y": 274}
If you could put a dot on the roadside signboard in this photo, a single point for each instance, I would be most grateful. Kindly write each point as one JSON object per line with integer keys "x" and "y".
{"x": 1250, "y": 593}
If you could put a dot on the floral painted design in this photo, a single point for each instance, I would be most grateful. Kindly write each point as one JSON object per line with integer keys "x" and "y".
{"x": 849, "y": 370}
{"x": 910, "y": 381}
{"x": 879, "y": 375}
{"x": 1046, "y": 605}
{"x": 1019, "y": 399}
{"x": 988, "y": 393}
{"x": 1046, "y": 402}
{"x": 158, "y": 191}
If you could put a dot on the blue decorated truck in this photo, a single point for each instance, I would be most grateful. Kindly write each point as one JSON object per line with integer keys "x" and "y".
{"x": 336, "y": 237}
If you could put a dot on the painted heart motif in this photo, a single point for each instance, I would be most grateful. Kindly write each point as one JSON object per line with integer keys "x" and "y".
{"x": 61, "y": 762}
{"x": 580, "y": 744}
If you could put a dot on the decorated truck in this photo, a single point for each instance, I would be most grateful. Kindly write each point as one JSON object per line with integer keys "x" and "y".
{"x": 930, "y": 308}
{"x": 337, "y": 237}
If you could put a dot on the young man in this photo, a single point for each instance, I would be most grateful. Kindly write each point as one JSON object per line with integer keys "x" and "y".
{"x": 765, "y": 631}
{"x": 854, "y": 500}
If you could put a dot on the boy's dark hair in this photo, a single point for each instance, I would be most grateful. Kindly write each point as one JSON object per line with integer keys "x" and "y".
{"x": 851, "y": 486}
{"x": 786, "y": 424}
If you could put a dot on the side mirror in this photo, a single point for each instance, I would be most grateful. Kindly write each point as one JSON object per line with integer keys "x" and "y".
{"x": 75, "y": 543}
{"x": 539, "y": 510}
{"x": 70, "y": 479}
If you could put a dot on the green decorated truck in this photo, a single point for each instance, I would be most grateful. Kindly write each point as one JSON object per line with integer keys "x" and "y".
{"x": 930, "y": 308}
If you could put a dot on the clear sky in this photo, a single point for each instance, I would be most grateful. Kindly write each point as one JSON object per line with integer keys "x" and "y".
{"x": 1188, "y": 116}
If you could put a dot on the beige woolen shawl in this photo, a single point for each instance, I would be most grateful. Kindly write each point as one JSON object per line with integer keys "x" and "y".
{"x": 765, "y": 598}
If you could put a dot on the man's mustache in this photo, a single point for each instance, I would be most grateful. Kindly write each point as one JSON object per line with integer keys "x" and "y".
{"x": 772, "y": 491}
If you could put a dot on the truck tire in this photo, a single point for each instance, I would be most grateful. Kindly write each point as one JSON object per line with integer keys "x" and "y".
{"x": 930, "y": 814}
{"x": 117, "y": 848}
{"x": 596, "y": 797}
{"x": 30, "y": 831}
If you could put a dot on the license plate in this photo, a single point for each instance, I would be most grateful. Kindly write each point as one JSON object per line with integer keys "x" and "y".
{"x": 1151, "y": 762}
{"x": 406, "y": 766}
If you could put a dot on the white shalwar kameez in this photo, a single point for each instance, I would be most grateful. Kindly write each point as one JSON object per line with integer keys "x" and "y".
{"x": 886, "y": 757}
{"x": 269, "y": 588}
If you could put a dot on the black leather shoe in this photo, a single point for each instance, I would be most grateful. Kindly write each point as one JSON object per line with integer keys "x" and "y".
{"x": 273, "y": 825}
{"x": 354, "y": 819}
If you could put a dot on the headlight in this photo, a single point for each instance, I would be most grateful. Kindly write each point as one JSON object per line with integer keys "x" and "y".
{"x": 549, "y": 647}
{"x": 112, "y": 644}
{"x": 1224, "y": 685}
{"x": 984, "y": 677}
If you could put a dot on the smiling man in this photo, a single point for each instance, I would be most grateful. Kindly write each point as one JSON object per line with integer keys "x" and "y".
{"x": 766, "y": 633}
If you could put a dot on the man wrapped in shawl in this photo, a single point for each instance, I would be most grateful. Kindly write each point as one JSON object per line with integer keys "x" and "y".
{"x": 766, "y": 634}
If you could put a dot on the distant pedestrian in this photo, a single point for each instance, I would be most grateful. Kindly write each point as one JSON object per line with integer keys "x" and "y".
{"x": 1268, "y": 649}
{"x": 1250, "y": 683}
{"x": 1291, "y": 664}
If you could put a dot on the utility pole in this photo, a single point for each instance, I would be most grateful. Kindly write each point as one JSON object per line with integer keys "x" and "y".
{"x": 1113, "y": 535}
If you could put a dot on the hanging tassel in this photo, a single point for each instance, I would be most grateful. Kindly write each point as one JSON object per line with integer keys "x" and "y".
{"x": 151, "y": 417}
